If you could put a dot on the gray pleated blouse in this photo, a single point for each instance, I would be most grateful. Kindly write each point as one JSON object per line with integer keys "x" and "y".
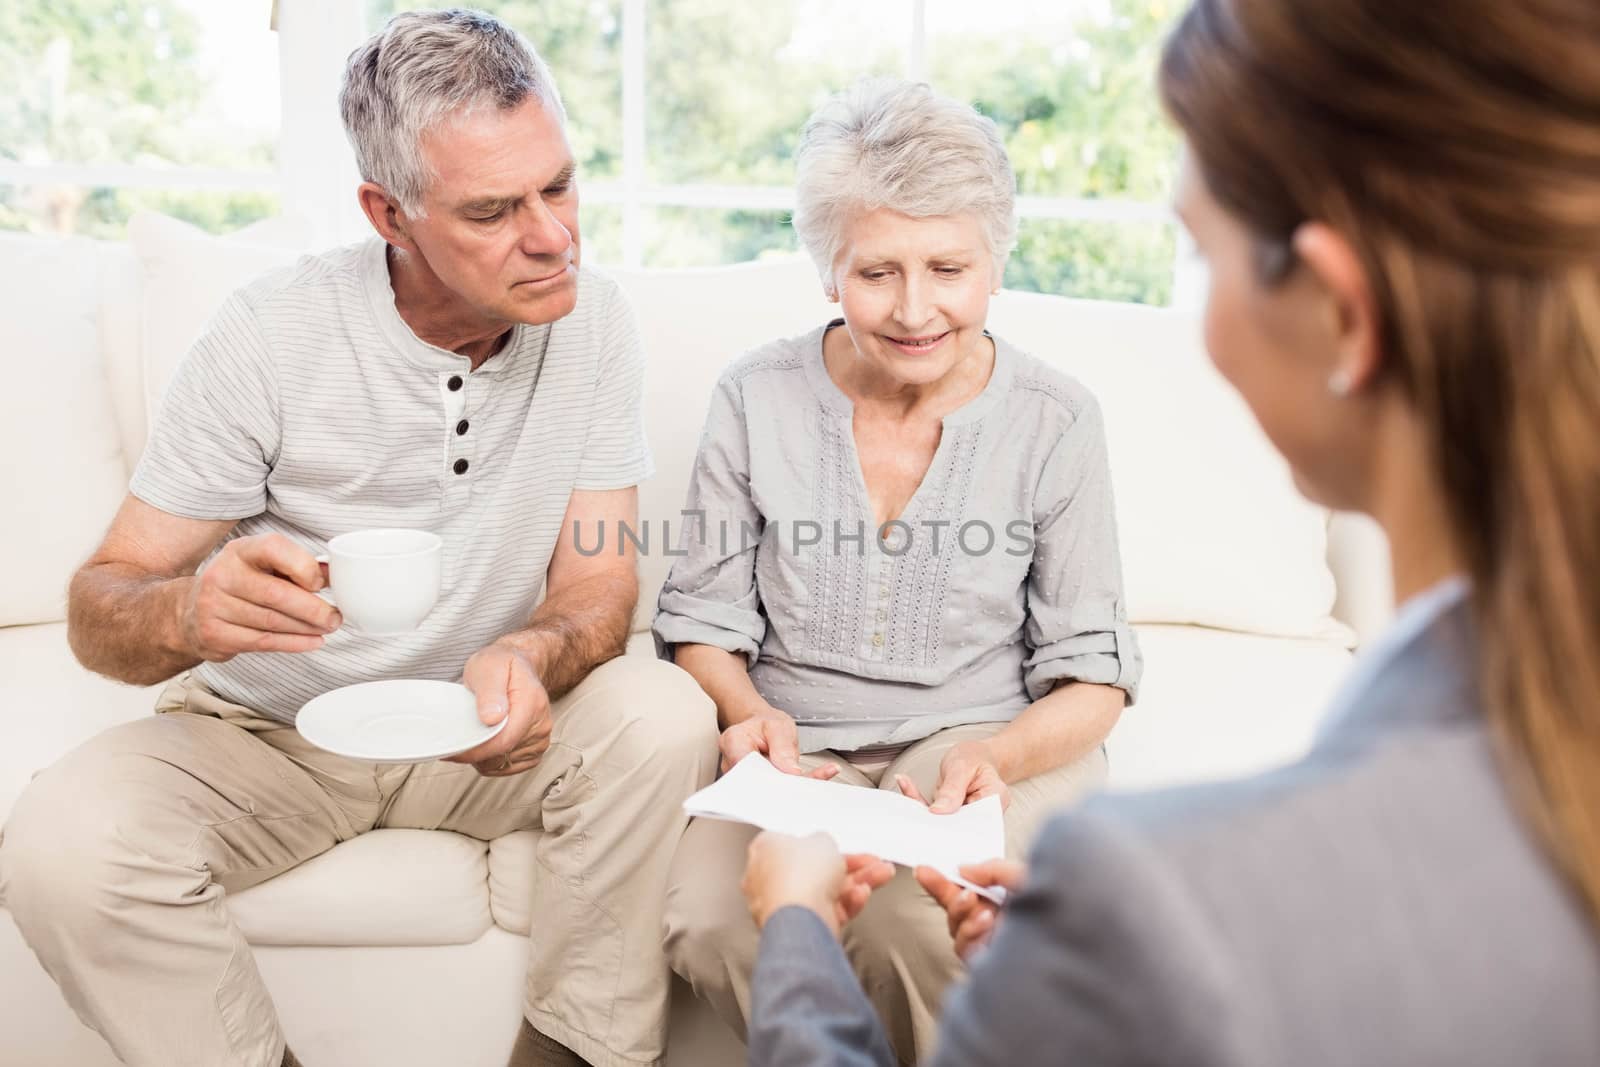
{"x": 1000, "y": 579}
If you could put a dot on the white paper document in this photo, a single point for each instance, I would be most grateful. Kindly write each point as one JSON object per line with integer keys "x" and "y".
{"x": 875, "y": 821}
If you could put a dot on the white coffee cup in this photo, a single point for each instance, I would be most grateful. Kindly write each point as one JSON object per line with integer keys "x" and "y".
{"x": 384, "y": 582}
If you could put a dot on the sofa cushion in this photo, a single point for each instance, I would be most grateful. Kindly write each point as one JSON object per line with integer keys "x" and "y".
{"x": 50, "y": 705}
{"x": 186, "y": 274}
{"x": 386, "y": 887}
{"x": 121, "y": 344}
{"x": 63, "y": 476}
{"x": 511, "y": 881}
{"x": 1212, "y": 529}
{"x": 1215, "y": 705}
{"x": 694, "y": 323}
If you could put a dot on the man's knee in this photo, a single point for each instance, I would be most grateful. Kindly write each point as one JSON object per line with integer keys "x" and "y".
{"x": 64, "y": 842}
{"x": 656, "y": 709}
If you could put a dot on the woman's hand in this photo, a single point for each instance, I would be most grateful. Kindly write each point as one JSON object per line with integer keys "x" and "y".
{"x": 967, "y": 773}
{"x": 774, "y": 735}
{"x": 809, "y": 871}
{"x": 971, "y": 918}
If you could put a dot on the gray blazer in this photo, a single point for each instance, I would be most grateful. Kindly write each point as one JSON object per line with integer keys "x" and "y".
{"x": 1379, "y": 903}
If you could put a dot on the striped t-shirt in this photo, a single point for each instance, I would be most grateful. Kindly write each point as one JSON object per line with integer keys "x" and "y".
{"x": 309, "y": 408}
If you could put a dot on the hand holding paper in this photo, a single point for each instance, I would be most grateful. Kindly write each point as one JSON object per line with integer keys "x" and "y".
{"x": 972, "y": 917}
{"x": 809, "y": 871}
{"x": 875, "y": 822}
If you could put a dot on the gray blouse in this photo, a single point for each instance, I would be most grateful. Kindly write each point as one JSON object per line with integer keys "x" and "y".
{"x": 999, "y": 579}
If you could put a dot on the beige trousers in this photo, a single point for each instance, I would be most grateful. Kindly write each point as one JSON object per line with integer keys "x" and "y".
{"x": 116, "y": 860}
{"x": 899, "y": 944}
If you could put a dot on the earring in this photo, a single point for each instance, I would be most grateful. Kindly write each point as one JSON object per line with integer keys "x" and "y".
{"x": 1339, "y": 383}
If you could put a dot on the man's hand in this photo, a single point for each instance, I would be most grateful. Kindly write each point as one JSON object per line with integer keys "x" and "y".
{"x": 775, "y": 736}
{"x": 257, "y": 595}
{"x": 971, "y": 918}
{"x": 809, "y": 871}
{"x": 966, "y": 773}
{"x": 507, "y": 687}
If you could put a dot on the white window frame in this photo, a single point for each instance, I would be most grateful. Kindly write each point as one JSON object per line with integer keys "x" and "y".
{"x": 315, "y": 175}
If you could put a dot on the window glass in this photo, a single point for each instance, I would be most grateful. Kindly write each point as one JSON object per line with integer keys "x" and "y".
{"x": 155, "y": 84}
{"x": 581, "y": 42}
{"x": 706, "y": 237}
{"x": 730, "y": 83}
{"x": 1094, "y": 260}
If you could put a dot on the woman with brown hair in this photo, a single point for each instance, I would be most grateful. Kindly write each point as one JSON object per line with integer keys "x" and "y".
{"x": 1400, "y": 208}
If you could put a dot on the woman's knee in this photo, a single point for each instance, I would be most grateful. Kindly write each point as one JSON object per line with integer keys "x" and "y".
{"x": 900, "y": 930}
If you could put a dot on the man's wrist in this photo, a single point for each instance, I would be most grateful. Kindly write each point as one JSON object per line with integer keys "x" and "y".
{"x": 531, "y": 645}
{"x": 176, "y": 639}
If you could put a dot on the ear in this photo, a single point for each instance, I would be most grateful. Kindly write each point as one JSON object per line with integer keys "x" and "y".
{"x": 1334, "y": 267}
{"x": 386, "y": 215}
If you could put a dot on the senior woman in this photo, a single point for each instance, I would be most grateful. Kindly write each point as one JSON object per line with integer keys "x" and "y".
{"x": 1400, "y": 207}
{"x": 905, "y": 571}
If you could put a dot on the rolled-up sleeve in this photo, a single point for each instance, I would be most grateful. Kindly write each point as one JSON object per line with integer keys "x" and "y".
{"x": 710, "y": 597}
{"x": 1077, "y": 623}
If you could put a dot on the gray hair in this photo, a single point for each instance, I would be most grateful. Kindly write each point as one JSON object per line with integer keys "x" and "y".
{"x": 887, "y": 143}
{"x": 421, "y": 70}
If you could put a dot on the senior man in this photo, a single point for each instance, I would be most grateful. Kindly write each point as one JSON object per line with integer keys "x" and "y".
{"x": 459, "y": 373}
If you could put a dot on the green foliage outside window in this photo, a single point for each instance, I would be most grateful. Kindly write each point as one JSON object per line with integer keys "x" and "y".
{"x": 111, "y": 82}
{"x": 728, "y": 86}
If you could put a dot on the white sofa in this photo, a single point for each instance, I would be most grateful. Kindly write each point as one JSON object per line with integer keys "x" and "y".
{"x": 1248, "y": 602}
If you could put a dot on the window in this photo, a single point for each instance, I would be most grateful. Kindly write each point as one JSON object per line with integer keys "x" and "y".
{"x": 1072, "y": 87}
{"x": 107, "y": 106}
{"x": 684, "y": 117}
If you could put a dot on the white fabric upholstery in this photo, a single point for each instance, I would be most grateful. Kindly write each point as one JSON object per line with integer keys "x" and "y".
{"x": 186, "y": 274}
{"x": 120, "y": 290}
{"x": 1216, "y": 705}
{"x": 1212, "y": 530}
{"x": 387, "y": 887}
{"x": 694, "y": 323}
{"x": 1358, "y": 555}
{"x": 48, "y": 704}
{"x": 56, "y": 422}
{"x": 510, "y": 878}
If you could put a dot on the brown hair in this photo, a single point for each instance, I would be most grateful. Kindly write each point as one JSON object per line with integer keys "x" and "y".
{"x": 1457, "y": 146}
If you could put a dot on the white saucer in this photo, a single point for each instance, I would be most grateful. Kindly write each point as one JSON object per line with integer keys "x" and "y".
{"x": 400, "y": 721}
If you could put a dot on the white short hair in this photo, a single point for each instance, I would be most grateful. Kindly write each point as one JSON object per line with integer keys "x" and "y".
{"x": 421, "y": 70}
{"x": 888, "y": 143}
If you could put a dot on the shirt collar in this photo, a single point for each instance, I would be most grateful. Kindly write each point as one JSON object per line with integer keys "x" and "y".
{"x": 380, "y": 297}
{"x": 1412, "y": 622}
